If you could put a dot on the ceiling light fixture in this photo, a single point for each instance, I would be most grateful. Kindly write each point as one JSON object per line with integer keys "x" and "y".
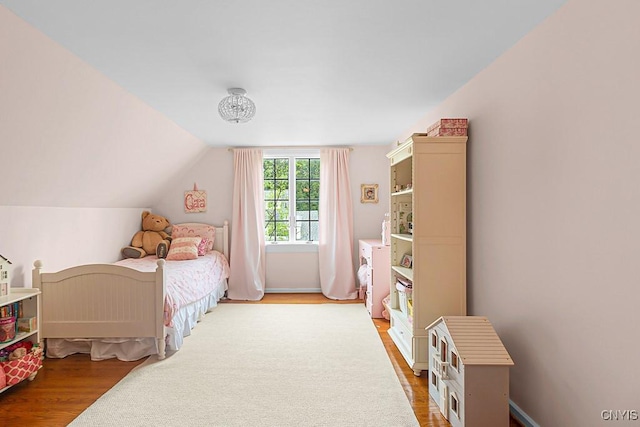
{"x": 237, "y": 108}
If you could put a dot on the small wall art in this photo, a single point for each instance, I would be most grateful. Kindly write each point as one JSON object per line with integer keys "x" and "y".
{"x": 369, "y": 193}
{"x": 195, "y": 200}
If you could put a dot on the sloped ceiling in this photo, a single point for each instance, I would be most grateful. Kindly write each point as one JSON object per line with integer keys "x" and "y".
{"x": 320, "y": 72}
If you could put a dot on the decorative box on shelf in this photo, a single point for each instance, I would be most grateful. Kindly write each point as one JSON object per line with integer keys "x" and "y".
{"x": 449, "y": 127}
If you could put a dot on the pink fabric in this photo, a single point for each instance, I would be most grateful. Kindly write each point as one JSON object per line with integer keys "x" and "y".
{"x": 248, "y": 269}
{"x": 187, "y": 281}
{"x": 194, "y": 229}
{"x": 203, "y": 246}
{"x": 184, "y": 248}
{"x": 335, "y": 251}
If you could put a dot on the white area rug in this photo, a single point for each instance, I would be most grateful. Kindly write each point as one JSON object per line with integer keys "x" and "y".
{"x": 265, "y": 365}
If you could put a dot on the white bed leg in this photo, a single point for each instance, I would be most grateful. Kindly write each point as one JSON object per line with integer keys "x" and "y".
{"x": 161, "y": 349}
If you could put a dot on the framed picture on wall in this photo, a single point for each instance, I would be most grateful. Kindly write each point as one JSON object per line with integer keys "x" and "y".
{"x": 369, "y": 193}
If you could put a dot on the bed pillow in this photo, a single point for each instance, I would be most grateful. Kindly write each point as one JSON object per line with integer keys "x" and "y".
{"x": 203, "y": 246}
{"x": 195, "y": 229}
{"x": 183, "y": 248}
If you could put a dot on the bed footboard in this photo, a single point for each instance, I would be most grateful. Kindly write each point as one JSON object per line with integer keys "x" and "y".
{"x": 102, "y": 301}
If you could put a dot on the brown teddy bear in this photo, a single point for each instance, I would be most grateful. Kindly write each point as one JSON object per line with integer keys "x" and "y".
{"x": 151, "y": 240}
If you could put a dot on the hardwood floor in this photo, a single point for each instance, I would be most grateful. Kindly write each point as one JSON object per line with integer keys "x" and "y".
{"x": 65, "y": 387}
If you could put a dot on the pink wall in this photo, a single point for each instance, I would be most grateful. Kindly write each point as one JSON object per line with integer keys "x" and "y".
{"x": 554, "y": 208}
{"x": 63, "y": 237}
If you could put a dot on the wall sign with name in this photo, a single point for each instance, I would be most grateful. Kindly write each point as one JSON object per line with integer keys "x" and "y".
{"x": 195, "y": 200}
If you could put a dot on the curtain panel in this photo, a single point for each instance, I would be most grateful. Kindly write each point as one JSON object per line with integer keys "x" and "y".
{"x": 248, "y": 270}
{"x": 335, "y": 257}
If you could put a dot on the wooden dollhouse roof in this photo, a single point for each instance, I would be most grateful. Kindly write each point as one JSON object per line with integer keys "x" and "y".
{"x": 475, "y": 340}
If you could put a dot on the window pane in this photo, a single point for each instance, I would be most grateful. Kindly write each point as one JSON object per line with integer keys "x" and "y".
{"x": 302, "y": 231}
{"x": 281, "y": 189}
{"x": 282, "y": 211}
{"x": 302, "y": 206}
{"x": 268, "y": 166}
{"x": 282, "y": 168}
{"x": 282, "y": 231}
{"x": 313, "y": 234}
{"x": 314, "y": 168}
{"x": 314, "y": 190}
{"x": 302, "y": 190}
{"x": 302, "y": 168}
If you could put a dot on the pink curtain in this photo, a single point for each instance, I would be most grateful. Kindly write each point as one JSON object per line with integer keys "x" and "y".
{"x": 247, "y": 277}
{"x": 335, "y": 257}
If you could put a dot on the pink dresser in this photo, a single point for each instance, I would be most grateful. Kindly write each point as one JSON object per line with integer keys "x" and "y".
{"x": 378, "y": 273}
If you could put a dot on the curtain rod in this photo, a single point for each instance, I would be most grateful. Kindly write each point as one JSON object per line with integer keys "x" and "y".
{"x": 294, "y": 147}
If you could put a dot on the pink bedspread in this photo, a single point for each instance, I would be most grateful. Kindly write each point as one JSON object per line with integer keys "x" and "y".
{"x": 187, "y": 281}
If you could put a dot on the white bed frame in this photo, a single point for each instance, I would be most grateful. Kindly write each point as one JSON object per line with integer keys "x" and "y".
{"x": 107, "y": 300}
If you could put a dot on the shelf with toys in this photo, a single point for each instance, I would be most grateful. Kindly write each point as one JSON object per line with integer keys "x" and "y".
{"x": 20, "y": 349}
{"x": 427, "y": 239}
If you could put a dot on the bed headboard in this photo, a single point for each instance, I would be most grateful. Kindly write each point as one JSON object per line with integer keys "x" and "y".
{"x": 221, "y": 242}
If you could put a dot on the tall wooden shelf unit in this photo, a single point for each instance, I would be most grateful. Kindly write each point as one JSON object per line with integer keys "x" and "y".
{"x": 428, "y": 179}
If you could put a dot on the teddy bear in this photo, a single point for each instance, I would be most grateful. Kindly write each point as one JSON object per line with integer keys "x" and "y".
{"x": 18, "y": 353}
{"x": 152, "y": 239}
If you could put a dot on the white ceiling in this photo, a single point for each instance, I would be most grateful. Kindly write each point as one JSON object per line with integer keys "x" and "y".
{"x": 320, "y": 72}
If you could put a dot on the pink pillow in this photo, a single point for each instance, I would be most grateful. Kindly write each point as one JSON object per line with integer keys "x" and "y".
{"x": 203, "y": 246}
{"x": 183, "y": 248}
{"x": 193, "y": 229}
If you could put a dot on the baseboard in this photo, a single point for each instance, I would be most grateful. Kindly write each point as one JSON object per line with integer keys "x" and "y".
{"x": 521, "y": 416}
{"x": 293, "y": 291}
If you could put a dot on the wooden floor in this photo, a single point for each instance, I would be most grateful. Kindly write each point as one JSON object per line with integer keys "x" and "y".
{"x": 65, "y": 387}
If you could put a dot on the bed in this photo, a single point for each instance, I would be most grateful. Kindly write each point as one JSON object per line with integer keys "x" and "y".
{"x": 132, "y": 308}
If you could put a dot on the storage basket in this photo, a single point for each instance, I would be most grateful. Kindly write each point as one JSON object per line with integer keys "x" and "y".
{"x": 404, "y": 296}
{"x": 7, "y": 329}
{"x": 23, "y": 368}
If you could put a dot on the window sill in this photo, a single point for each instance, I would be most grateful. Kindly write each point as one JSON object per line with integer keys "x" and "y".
{"x": 288, "y": 247}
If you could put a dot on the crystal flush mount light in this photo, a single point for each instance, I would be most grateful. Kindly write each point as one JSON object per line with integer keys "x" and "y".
{"x": 237, "y": 108}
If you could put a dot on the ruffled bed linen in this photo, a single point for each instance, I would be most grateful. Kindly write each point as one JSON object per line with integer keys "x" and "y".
{"x": 185, "y": 305}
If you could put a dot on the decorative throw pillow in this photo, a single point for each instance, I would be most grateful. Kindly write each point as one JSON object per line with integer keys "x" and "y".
{"x": 183, "y": 248}
{"x": 203, "y": 247}
{"x": 193, "y": 229}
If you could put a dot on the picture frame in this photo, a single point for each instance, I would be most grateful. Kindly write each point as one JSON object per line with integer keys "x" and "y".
{"x": 369, "y": 193}
{"x": 406, "y": 261}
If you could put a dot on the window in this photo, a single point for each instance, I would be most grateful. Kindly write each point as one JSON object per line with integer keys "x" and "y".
{"x": 434, "y": 339}
{"x": 454, "y": 360}
{"x": 434, "y": 380}
{"x": 455, "y": 406}
{"x": 443, "y": 350}
{"x": 291, "y": 198}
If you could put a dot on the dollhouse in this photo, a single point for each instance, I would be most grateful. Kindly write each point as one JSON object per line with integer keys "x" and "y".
{"x": 469, "y": 371}
{"x": 5, "y": 276}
